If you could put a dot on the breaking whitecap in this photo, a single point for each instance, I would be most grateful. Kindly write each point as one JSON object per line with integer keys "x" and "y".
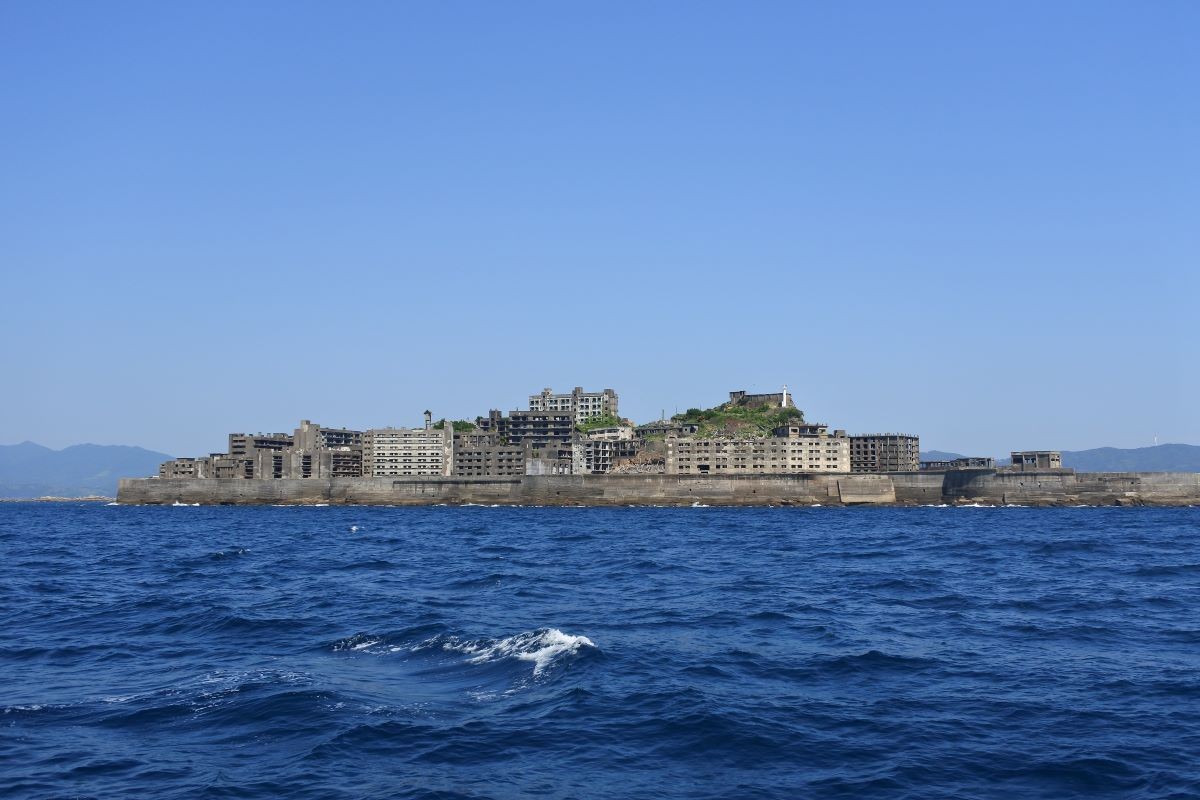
{"x": 542, "y": 646}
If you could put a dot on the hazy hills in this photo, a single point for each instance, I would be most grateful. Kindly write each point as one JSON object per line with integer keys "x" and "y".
{"x": 1163, "y": 458}
{"x": 31, "y": 470}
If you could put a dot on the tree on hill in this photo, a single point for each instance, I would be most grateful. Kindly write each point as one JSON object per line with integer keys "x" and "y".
{"x": 460, "y": 425}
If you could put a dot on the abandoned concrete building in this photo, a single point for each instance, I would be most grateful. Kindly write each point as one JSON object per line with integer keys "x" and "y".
{"x": 409, "y": 451}
{"x": 782, "y": 399}
{"x": 966, "y": 462}
{"x": 580, "y": 405}
{"x": 885, "y": 452}
{"x": 313, "y": 437}
{"x": 178, "y": 468}
{"x": 342, "y": 462}
{"x": 793, "y": 449}
{"x": 539, "y": 429}
{"x": 598, "y": 456}
{"x": 243, "y": 445}
{"x": 614, "y": 433}
{"x": 1035, "y": 459}
{"x": 481, "y": 455}
{"x": 547, "y": 440}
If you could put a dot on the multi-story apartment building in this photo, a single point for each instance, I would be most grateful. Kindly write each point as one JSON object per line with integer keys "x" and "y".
{"x": 338, "y": 462}
{"x": 178, "y": 468}
{"x": 557, "y": 458}
{"x": 222, "y": 465}
{"x": 319, "y": 452}
{"x": 1036, "y": 459}
{"x": 479, "y": 457}
{"x": 581, "y": 405}
{"x": 793, "y": 449}
{"x": 409, "y": 451}
{"x": 597, "y": 456}
{"x": 243, "y": 445}
{"x": 313, "y": 437}
{"x": 885, "y": 452}
{"x": 312, "y": 452}
{"x": 540, "y": 429}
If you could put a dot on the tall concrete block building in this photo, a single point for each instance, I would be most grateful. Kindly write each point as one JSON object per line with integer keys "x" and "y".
{"x": 580, "y": 405}
{"x": 885, "y": 452}
{"x": 319, "y": 452}
{"x": 793, "y": 449}
{"x": 540, "y": 429}
{"x": 313, "y": 437}
{"x": 480, "y": 455}
{"x": 391, "y": 452}
{"x": 244, "y": 445}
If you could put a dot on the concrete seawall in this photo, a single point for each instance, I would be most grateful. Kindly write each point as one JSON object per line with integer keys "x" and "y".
{"x": 1046, "y": 488}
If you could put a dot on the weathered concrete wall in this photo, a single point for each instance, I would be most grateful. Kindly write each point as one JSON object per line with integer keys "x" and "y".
{"x": 918, "y": 488}
{"x": 525, "y": 490}
{"x": 1065, "y": 487}
{"x": 1049, "y": 487}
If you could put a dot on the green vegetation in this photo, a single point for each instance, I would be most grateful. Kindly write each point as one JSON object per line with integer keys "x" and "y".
{"x": 460, "y": 425}
{"x": 596, "y": 423}
{"x": 730, "y": 419}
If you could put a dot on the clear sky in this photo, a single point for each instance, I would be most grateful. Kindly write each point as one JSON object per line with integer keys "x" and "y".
{"x": 978, "y": 222}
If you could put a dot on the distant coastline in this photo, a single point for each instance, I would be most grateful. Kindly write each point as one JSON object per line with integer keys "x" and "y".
{"x": 49, "y": 499}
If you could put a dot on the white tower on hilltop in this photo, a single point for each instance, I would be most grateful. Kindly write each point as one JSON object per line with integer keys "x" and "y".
{"x": 784, "y": 403}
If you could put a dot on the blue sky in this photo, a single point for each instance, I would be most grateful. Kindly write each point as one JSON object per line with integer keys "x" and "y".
{"x": 975, "y": 222}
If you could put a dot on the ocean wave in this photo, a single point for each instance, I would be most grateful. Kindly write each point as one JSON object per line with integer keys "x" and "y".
{"x": 543, "y": 647}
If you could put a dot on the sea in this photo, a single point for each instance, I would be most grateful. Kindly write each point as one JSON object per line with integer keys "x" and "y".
{"x": 474, "y": 652}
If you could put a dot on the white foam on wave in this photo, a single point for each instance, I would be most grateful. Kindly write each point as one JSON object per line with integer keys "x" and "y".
{"x": 541, "y": 647}
{"x": 113, "y": 503}
{"x": 117, "y": 698}
{"x": 356, "y": 643}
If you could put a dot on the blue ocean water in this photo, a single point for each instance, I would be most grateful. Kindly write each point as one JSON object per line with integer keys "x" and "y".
{"x": 197, "y": 652}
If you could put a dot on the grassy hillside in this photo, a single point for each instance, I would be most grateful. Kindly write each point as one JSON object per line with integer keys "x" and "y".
{"x": 729, "y": 419}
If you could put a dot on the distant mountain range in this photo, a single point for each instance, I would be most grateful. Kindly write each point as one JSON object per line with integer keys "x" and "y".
{"x": 1163, "y": 458}
{"x": 31, "y": 470}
